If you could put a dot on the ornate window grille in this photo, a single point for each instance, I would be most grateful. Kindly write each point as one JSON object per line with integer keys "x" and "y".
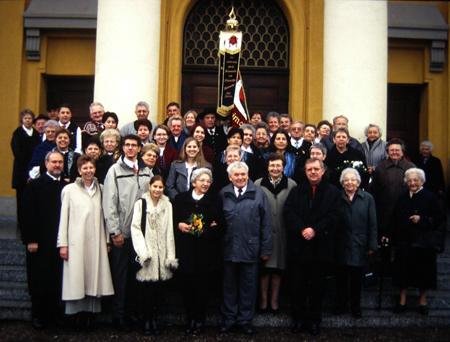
{"x": 264, "y": 27}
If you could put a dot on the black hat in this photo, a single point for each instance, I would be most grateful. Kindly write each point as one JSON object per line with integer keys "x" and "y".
{"x": 41, "y": 117}
{"x": 207, "y": 111}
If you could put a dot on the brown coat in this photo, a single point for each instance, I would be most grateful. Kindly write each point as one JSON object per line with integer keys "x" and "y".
{"x": 387, "y": 186}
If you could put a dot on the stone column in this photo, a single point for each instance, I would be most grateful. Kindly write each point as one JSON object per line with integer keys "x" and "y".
{"x": 127, "y": 56}
{"x": 355, "y": 63}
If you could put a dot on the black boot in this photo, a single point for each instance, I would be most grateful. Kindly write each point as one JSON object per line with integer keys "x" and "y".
{"x": 190, "y": 327}
{"x": 199, "y": 327}
{"x": 148, "y": 327}
{"x": 155, "y": 328}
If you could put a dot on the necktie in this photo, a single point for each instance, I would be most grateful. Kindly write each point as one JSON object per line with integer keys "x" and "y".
{"x": 161, "y": 162}
{"x": 239, "y": 193}
{"x": 313, "y": 188}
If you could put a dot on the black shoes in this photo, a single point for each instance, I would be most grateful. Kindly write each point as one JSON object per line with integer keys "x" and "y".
{"x": 247, "y": 329}
{"x": 339, "y": 309}
{"x": 314, "y": 329}
{"x": 37, "y": 323}
{"x": 399, "y": 308}
{"x": 356, "y": 312}
{"x": 298, "y": 327}
{"x": 224, "y": 329}
{"x": 194, "y": 328}
{"x": 148, "y": 328}
{"x": 423, "y": 310}
{"x": 122, "y": 324}
{"x": 155, "y": 328}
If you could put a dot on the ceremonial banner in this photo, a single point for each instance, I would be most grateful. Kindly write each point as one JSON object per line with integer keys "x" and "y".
{"x": 239, "y": 113}
{"x": 231, "y": 96}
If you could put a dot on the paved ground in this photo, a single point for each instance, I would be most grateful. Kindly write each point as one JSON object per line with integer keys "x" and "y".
{"x": 22, "y": 331}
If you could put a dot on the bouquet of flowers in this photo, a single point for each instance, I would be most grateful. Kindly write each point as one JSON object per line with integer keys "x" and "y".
{"x": 358, "y": 165}
{"x": 197, "y": 224}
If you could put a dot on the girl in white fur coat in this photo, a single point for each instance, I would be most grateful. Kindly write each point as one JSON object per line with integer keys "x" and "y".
{"x": 155, "y": 251}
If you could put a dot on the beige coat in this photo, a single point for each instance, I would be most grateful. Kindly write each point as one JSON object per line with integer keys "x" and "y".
{"x": 155, "y": 252}
{"x": 81, "y": 228}
{"x": 276, "y": 202}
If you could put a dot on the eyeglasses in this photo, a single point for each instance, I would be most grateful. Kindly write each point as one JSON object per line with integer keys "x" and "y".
{"x": 130, "y": 145}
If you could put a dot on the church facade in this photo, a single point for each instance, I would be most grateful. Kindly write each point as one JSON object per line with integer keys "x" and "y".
{"x": 383, "y": 62}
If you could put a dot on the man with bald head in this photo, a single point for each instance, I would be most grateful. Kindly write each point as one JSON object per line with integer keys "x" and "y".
{"x": 44, "y": 266}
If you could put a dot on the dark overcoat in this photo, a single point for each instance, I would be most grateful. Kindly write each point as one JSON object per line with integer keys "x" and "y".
{"x": 386, "y": 187}
{"x": 416, "y": 244}
{"x": 198, "y": 253}
{"x": 357, "y": 232}
{"x": 433, "y": 173}
{"x": 335, "y": 162}
{"x": 320, "y": 212}
{"x": 22, "y": 146}
{"x": 43, "y": 206}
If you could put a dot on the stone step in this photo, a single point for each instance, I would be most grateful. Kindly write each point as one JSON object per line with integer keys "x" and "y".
{"x": 12, "y": 257}
{"x": 11, "y": 244}
{"x": 13, "y": 273}
{"x": 13, "y": 291}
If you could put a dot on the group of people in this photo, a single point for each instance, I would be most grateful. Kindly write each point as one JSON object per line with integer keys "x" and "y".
{"x": 104, "y": 212}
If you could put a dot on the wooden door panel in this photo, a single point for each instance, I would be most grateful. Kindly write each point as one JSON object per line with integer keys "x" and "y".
{"x": 403, "y": 112}
{"x": 77, "y": 92}
{"x": 265, "y": 92}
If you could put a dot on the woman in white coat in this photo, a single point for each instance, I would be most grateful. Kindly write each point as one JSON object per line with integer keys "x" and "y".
{"x": 82, "y": 242}
{"x": 155, "y": 248}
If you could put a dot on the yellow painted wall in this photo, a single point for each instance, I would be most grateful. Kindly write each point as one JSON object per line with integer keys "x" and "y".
{"x": 62, "y": 54}
{"x": 11, "y": 40}
{"x": 409, "y": 64}
{"x": 22, "y": 84}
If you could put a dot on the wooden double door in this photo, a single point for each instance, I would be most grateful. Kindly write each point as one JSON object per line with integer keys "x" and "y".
{"x": 265, "y": 91}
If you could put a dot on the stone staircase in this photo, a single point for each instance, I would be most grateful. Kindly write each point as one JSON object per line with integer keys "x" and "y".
{"x": 15, "y": 304}
{"x": 14, "y": 299}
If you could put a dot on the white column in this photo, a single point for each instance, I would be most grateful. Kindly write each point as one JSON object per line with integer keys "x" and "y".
{"x": 127, "y": 56}
{"x": 355, "y": 62}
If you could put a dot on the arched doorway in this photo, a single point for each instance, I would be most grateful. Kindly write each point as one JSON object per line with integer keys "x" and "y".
{"x": 264, "y": 58}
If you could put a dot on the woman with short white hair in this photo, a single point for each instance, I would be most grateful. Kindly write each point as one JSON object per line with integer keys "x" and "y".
{"x": 432, "y": 167}
{"x": 198, "y": 238}
{"x": 356, "y": 239}
{"x": 417, "y": 238}
{"x": 374, "y": 147}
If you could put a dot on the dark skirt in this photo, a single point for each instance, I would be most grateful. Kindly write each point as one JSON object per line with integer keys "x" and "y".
{"x": 414, "y": 267}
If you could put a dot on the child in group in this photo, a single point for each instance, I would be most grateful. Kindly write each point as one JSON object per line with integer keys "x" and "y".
{"x": 153, "y": 241}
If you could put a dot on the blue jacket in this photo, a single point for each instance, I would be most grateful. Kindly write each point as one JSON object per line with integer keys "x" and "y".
{"x": 248, "y": 233}
{"x": 177, "y": 180}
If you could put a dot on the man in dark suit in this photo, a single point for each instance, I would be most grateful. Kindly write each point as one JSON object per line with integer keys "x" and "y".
{"x": 215, "y": 135}
{"x": 310, "y": 216}
{"x": 44, "y": 266}
{"x": 177, "y": 136}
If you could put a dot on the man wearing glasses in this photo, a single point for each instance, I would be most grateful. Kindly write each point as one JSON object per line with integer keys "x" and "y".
{"x": 125, "y": 183}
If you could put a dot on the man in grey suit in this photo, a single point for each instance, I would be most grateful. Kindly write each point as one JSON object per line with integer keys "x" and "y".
{"x": 248, "y": 239}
